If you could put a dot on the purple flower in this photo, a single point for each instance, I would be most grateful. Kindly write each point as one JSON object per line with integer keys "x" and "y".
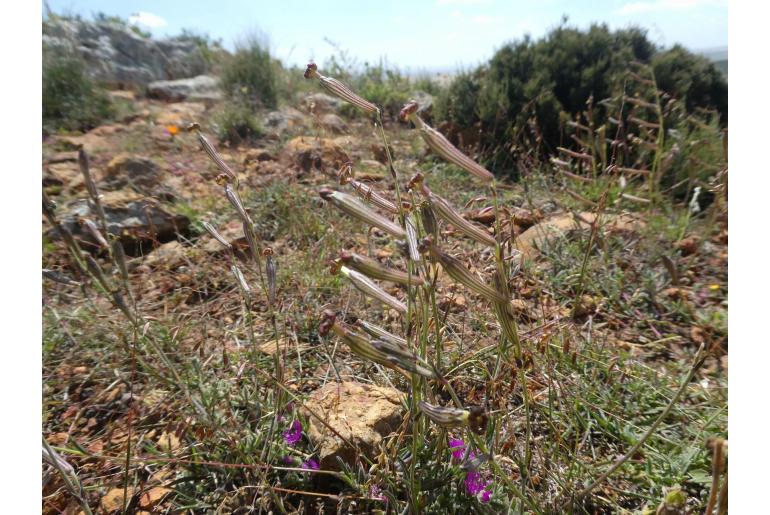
{"x": 310, "y": 464}
{"x": 376, "y": 493}
{"x": 476, "y": 485}
{"x": 294, "y": 433}
{"x": 458, "y": 447}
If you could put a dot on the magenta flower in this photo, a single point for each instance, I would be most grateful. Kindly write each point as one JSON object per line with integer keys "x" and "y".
{"x": 294, "y": 434}
{"x": 310, "y": 464}
{"x": 458, "y": 448}
{"x": 376, "y": 493}
{"x": 476, "y": 485}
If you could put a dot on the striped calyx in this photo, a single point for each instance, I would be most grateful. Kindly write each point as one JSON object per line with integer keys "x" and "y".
{"x": 339, "y": 90}
{"x": 441, "y": 146}
{"x": 353, "y": 207}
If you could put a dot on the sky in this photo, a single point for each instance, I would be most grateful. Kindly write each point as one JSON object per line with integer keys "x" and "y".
{"x": 417, "y": 35}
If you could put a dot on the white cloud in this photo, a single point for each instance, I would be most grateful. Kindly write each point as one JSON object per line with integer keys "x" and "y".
{"x": 149, "y": 20}
{"x": 665, "y": 5}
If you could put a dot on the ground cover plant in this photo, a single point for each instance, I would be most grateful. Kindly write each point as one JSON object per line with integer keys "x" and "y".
{"x": 555, "y": 345}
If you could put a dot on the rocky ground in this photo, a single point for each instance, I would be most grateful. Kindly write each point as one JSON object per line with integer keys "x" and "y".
{"x": 638, "y": 315}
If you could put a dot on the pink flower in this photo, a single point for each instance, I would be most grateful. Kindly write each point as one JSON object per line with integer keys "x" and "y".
{"x": 476, "y": 485}
{"x": 294, "y": 434}
{"x": 458, "y": 449}
{"x": 310, "y": 464}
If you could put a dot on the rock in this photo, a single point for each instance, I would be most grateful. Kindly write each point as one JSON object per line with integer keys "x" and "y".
{"x": 153, "y": 496}
{"x": 202, "y": 87}
{"x": 278, "y": 122}
{"x": 333, "y": 123}
{"x": 321, "y": 103}
{"x": 363, "y": 414}
{"x": 532, "y": 240}
{"x": 94, "y": 141}
{"x": 118, "y": 56}
{"x": 257, "y": 155}
{"x": 65, "y": 174}
{"x": 113, "y": 500}
{"x": 135, "y": 220}
{"x": 169, "y": 255}
{"x": 140, "y": 173}
{"x": 180, "y": 114}
{"x": 123, "y": 94}
{"x": 63, "y": 157}
{"x": 525, "y": 218}
{"x": 311, "y": 153}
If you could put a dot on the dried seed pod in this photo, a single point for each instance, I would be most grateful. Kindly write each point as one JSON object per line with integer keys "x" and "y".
{"x": 446, "y": 212}
{"x": 358, "y": 344}
{"x": 251, "y": 239}
{"x": 368, "y": 193}
{"x": 215, "y": 234}
{"x": 375, "y": 270}
{"x": 242, "y": 284}
{"x": 368, "y": 287}
{"x": 235, "y": 200}
{"x": 442, "y": 147}
{"x": 351, "y": 206}
{"x": 270, "y": 269}
{"x": 212, "y": 153}
{"x": 120, "y": 302}
{"x": 339, "y": 90}
{"x": 411, "y": 239}
{"x": 457, "y": 271}
{"x": 380, "y": 333}
{"x": 119, "y": 256}
{"x": 94, "y": 230}
{"x": 402, "y": 357}
{"x": 59, "y": 277}
{"x": 429, "y": 221}
{"x": 96, "y": 272}
{"x": 504, "y": 314}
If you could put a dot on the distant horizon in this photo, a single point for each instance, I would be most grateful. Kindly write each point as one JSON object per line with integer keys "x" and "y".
{"x": 470, "y": 31}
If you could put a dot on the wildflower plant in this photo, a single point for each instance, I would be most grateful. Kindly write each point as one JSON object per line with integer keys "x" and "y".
{"x": 416, "y": 228}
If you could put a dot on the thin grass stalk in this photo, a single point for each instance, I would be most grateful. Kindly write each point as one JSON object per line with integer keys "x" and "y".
{"x": 56, "y": 461}
{"x": 696, "y": 364}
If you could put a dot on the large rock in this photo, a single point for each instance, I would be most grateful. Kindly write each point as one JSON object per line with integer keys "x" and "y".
{"x": 562, "y": 225}
{"x": 138, "y": 172}
{"x": 137, "y": 221}
{"x": 319, "y": 103}
{"x": 333, "y": 123}
{"x": 202, "y": 87}
{"x": 180, "y": 114}
{"x": 312, "y": 153}
{"x": 117, "y": 55}
{"x": 363, "y": 414}
{"x": 278, "y": 122}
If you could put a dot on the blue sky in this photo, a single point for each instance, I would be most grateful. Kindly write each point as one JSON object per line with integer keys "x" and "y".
{"x": 418, "y": 34}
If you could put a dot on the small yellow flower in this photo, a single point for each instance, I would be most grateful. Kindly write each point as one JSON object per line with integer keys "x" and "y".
{"x": 714, "y": 287}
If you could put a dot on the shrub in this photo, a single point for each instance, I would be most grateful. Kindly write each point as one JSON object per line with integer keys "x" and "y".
{"x": 250, "y": 74}
{"x": 71, "y": 99}
{"x": 235, "y": 123}
{"x": 522, "y": 97}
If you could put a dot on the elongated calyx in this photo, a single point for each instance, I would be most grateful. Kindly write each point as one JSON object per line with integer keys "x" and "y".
{"x": 353, "y": 207}
{"x": 368, "y": 287}
{"x": 339, "y": 90}
{"x": 441, "y": 146}
{"x": 475, "y": 417}
{"x": 457, "y": 271}
{"x": 389, "y": 354}
{"x": 446, "y": 212}
{"x": 375, "y": 270}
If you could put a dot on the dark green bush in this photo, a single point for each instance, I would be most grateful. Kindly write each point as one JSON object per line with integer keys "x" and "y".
{"x": 529, "y": 88}
{"x": 250, "y": 74}
{"x": 236, "y": 123}
{"x": 71, "y": 99}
